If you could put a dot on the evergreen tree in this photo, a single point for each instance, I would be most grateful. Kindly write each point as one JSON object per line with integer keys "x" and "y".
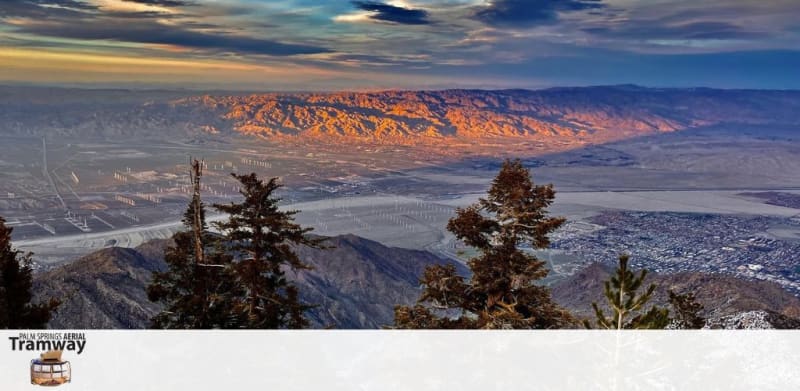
{"x": 502, "y": 292}
{"x": 261, "y": 238}
{"x": 687, "y": 311}
{"x": 626, "y": 305}
{"x": 197, "y": 286}
{"x": 16, "y": 276}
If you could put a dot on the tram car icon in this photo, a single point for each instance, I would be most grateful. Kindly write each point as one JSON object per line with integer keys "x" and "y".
{"x": 50, "y": 369}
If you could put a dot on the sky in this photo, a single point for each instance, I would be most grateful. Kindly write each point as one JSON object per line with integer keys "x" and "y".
{"x": 314, "y": 45}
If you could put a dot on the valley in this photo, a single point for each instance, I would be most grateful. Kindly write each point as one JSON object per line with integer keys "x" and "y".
{"x": 70, "y": 189}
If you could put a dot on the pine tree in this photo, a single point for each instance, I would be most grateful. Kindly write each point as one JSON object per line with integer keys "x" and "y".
{"x": 261, "y": 238}
{"x": 16, "y": 278}
{"x": 197, "y": 286}
{"x": 620, "y": 291}
{"x": 687, "y": 311}
{"x": 502, "y": 292}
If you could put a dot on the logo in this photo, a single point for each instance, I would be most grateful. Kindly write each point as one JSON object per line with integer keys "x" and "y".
{"x": 49, "y": 369}
{"x": 74, "y": 342}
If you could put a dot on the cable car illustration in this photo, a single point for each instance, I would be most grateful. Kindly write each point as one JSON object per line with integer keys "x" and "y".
{"x": 50, "y": 369}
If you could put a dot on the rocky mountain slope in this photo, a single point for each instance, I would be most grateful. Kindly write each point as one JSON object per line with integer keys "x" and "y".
{"x": 721, "y": 295}
{"x": 558, "y": 115}
{"x": 753, "y": 320}
{"x": 355, "y": 284}
{"x": 103, "y": 290}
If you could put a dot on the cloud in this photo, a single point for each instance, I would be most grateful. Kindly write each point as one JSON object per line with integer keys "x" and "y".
{"x": 390, "y": 13}
{"x": 44, "y": 8}
{"x": 151, "y": 32}
{"x": 80, "y": 20}
{"x": 524, "y": 13}
{"x": 479, "y": 41}
{"x": 162, "y": 3}
{"x": 686, "y": 31}
{"x": 75, "y": 4}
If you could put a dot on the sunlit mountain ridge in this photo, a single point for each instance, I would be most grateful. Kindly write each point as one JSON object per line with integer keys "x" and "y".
{"x": 553, "y": 116}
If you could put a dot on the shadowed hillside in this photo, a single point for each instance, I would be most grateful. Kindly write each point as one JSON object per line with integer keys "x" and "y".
{"x": 102, "y": 290}
{"x": 355, "y": 283}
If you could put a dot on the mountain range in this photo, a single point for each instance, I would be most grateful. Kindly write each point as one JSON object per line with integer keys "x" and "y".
{"x": 557, "y": 115}
{"x": 356, "y": 283}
